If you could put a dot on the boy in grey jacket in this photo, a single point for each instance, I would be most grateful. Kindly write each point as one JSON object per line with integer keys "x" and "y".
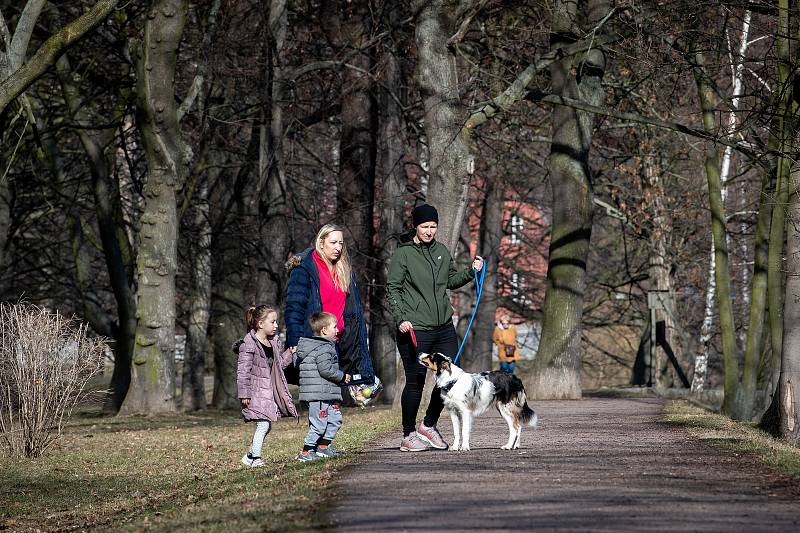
{"x": 320, "y": 386}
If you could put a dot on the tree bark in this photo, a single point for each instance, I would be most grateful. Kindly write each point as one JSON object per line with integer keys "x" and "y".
{"x": 153, "y": 378}
{"x": 451, "y": 163}
{"x": 117, "y": 250}
{"x": 273, "y": 192}
{"x": 477, "y": 355}
{"x": 44, "y": 58}
{"x": 722, "y": 275}
{"x": 193, "y": 395}
{"x": 391, "y": 168}
{"x": 778, "y": 141}
{"x": 355, "y": 194}
{"x": 789, "y": 382}
{"x": 558, "y": 361}
{"x": 659, "y": 268}
{"x": 194, "y": 369}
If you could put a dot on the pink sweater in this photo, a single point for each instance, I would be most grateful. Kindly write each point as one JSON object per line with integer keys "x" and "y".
{"x": 333, "y": 298}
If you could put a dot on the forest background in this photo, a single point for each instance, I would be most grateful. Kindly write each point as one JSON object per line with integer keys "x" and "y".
{"x": 160, "y": 162}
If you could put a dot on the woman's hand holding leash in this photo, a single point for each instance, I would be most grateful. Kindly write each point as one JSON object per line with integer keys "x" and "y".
{"x": 405, "y": 326}
{"x": 477, "y": 264}
{"x": 245, "y": 402}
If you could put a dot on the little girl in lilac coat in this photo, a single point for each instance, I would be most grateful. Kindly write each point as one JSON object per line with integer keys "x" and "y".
{"x": 263, "y": 390}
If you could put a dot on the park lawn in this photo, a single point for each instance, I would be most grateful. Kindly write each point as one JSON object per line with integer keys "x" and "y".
{"x": 738, "y": 437}
{"x": 178, "y": 472}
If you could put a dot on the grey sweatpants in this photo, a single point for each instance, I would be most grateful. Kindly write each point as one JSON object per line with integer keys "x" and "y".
{"x": 324, "y": 421}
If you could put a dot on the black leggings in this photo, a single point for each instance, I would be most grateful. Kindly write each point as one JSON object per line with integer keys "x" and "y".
{"x": 442, "y": 339}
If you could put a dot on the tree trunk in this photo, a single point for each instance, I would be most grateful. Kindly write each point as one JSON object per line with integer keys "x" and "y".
{"x": 391, "y": 164}
{"x": 659, "y": 268}
{"x": 194, "y": 369}
{"x": 722, "y": 275}
{"x": 477, "y": 354}
{"x": 754, "y": 345}
{"x": 451, "y": 163}
{"x": 558, "y": 361}
{"x": 355, "y": 195}
{"x": 779, "y": 140}
{"x": 5, "y": 222}
{"x": 273, "y": 191}
{"x": 153, "y": 378}
{"x": 789, "y": 383}
{"x": 231, "y": 292}
{"x": 117, "y": 250}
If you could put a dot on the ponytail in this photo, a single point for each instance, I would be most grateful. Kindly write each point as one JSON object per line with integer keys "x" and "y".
{"x": 256, "y": 313}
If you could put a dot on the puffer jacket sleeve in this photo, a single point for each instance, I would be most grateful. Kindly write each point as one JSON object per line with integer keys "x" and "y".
{"x": 297, "y": 294}
{"x": 244, "y": 370}
{"x": 327, "y": 367}
{"x": 284, "y": 357}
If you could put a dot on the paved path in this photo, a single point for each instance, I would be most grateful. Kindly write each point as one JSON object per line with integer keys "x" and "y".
{"x": 593, "y": 465}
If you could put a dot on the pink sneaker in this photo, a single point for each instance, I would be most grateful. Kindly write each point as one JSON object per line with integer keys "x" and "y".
{"x": 412, "y": 443}
{"x": 431, "y": 436}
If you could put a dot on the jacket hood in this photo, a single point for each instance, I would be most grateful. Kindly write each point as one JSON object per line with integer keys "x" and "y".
{"x": 296, "y": 260}
{"x": 309, "y": 344}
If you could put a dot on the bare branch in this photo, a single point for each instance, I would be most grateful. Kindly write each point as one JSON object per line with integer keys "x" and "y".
{"x": 51, "y": 50}
{"x": 538, "y": 96}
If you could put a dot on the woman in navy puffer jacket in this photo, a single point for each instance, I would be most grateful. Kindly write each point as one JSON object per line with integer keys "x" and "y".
{"x": 320, "y": 279}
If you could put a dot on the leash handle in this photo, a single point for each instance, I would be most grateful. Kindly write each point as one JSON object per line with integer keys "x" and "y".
{"x": 413, "y": 337}
{"x": 479, "y": 291}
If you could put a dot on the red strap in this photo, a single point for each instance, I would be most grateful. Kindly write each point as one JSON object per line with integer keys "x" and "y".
{"x": 413, "y": 337}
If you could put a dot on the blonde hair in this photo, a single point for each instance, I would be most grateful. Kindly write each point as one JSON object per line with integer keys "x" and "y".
{"x": 321, "y": 320}
{"x": 340, "y": 271}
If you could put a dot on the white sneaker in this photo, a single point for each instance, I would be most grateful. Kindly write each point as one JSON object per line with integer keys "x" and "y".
{"x": 252, "y": 462}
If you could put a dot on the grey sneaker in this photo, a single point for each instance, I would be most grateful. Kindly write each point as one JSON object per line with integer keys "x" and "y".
{"x": 431, "y": 436}
{"x": 330, "y": 451}
{"x": 252, "y": 462}
{"x": 412, "y": 443}
{"x": 306, "y": 458}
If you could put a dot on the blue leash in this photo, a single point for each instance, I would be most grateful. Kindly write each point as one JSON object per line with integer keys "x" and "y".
{"x": 479, "y": 289}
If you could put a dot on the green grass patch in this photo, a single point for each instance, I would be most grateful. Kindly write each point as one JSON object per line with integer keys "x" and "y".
{"x": 178, "y": 472}
{"x": 738, "y": 437}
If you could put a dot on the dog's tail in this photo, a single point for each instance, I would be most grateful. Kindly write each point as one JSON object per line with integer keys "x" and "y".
{"x": 528, "y": 415}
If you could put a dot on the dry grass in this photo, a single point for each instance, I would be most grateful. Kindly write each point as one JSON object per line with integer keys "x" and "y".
{"x": 735, "y": 436}
{"x": 177, "y": 472}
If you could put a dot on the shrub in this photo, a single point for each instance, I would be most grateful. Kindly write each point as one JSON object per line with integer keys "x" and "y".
{"x": 46, "y": 361}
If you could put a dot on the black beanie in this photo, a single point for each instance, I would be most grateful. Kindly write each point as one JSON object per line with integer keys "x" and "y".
{"x": 424, "y": 213}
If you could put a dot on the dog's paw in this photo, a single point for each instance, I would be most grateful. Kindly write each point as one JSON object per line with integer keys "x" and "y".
{"x": 505, "y": 447}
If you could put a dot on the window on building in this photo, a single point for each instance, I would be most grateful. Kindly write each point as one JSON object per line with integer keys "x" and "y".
{"x": 516, "y": 229}
{"x": 518, "y": 293}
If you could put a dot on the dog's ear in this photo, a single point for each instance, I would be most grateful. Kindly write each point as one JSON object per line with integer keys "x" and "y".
{"x": 443, "y": 361}
{"x": 427, "y": 361}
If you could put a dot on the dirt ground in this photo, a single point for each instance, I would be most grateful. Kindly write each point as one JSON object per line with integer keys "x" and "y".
{"x": 593, "y": 465}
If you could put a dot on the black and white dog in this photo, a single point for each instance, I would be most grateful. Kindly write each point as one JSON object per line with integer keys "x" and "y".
{"x": 468, "y": 395}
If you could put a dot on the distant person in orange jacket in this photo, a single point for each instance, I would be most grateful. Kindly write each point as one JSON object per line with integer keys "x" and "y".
{"x": 505, "y": 337}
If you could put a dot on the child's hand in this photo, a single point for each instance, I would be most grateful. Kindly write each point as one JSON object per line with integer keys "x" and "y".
{"x": 347, "y": 378}
{"x": 245, "y": 402}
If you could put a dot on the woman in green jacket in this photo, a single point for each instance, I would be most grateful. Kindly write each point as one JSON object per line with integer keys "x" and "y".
{"x": 420, "y": 273}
